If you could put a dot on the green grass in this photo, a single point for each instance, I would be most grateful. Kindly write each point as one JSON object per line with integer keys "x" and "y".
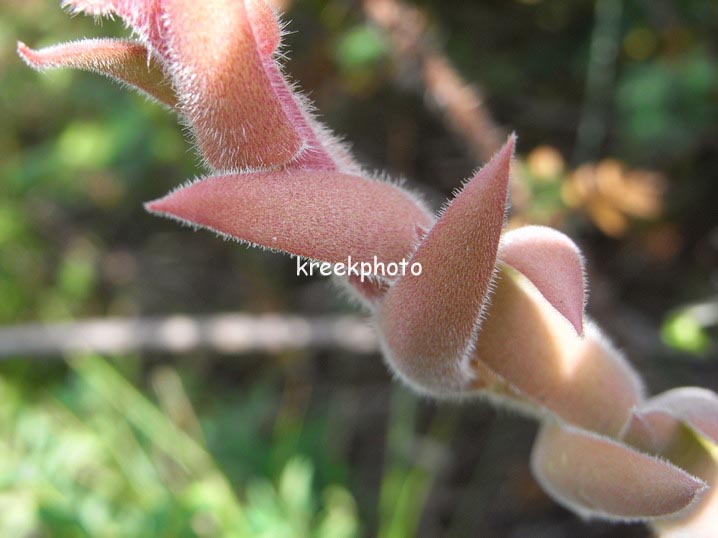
{"x": 94, "y": 457}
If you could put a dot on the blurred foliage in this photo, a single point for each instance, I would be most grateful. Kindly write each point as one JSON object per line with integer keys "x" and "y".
{"x": 683, "y": 332}
{"x": 272, "y": 446}
{"x": 94, "y": 457}
{"x": 688, "y": 329}
{"x": 361, "y": 46}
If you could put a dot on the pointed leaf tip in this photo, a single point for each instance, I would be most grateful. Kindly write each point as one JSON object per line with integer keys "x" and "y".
{"x": 245, "y": 116}
{"x": 125, "y": 61}
{"x": 24, "y": 52}
{"x": 428, "y": 321}
{"x": 317, "y": 215}
{"x": 597, "y": 477}
{"x": 553, "y": 263}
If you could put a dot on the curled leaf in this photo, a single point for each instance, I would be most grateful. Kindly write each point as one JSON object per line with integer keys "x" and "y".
{"x": 694, "y": 406}
{"x": 585, "y": 381}
{"x": 655, "y": 424}
{"x": 553, "y": 263}
{"x": 242, "y": 112}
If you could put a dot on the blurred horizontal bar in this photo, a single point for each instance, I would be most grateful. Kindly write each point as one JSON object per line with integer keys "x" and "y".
{"x": 228, "y": 333}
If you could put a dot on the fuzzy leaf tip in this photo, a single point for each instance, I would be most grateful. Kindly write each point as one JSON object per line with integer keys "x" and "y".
{"x": 428, "y": 321}
{"x": 597, "y": 477}
{"x": 319, "y": 215}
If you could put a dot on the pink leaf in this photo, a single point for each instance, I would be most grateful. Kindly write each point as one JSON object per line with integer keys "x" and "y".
{"x": 658, "y": 426}
{"x": 243, "y": 113}
{"x": 701, "y": 519}
{"x": 318, "y": 215}
{"x": 321, "y": 151}
{"x": 553, "y": 263}
{"x": 125, "y": 61}
{"x": 585, "y": 381}
{"x": 664, "y": 435}
{"x": 597, "y": 477}
{"x": 428, "y": 321}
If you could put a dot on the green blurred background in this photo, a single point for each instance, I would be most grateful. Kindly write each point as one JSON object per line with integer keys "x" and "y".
{"x": 616, "y": 106}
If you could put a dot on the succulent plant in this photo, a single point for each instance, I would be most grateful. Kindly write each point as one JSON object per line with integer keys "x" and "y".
{"x": 493, "y": 313}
